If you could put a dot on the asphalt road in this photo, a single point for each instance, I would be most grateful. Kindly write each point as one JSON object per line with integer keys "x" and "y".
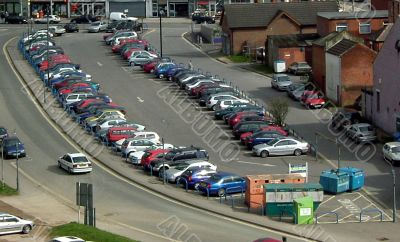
{"x": 114, "y": 199}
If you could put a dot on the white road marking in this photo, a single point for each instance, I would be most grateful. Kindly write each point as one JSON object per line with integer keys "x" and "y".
{"x": 99, "y": 63}
{"x": 139, "y": 99}
{"x": 327, "y": 200}
{"x": 254, "y": 163}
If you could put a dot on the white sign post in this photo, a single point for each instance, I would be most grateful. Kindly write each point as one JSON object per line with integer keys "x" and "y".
{"x": 301, "y": 169}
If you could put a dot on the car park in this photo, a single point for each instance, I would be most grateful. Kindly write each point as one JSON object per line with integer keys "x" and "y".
{"x": 97, "y": 26}
{"x": 280, "y": 82}
{"x": 10, "y": 224}
{"x": 13, "y": 147}
{"x": 223, "y": 183}
{"x": 299, "y": 68}
{"x": 361, "y": 132}
{"x": 71, "y": 27}
{"x": 75, "y": 163}
{"x": 391, "y": 152}
{"x": 176, "y": 170}
{"x": 281, "y": 146}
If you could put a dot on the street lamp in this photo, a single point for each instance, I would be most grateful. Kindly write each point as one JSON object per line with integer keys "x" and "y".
{"x": 16, "y": 147}
{"x": 161, "y": 12}
{"x": 394, "y": 189}
{"x": 2, "y": 164}
{"x": 47, "y": 57}
{"x": 163, "y": 160}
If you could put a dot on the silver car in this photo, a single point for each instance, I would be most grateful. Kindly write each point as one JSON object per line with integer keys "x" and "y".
{"x": 12, "y": 224}
{"x": 97, "y": 26}
{"x": 281, "y": 146}
{"x": 391, "y": 152}
{"x": 280, "y": 82}
{"x": 361, "y": 132}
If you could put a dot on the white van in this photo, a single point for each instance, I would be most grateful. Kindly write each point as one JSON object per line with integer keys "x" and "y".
{"x": 121, "y": 16}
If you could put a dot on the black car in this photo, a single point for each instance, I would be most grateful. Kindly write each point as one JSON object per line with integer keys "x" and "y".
{"x": 212, "y": 90}
{"x": 248, "y": 126}
{"x": 84, "y": 19}
{"x": 14, "y": 19}
{"x": 71, "y": 27}
{"x": 233, "y": 108}
{"x": 345, "y": 117}
{"x": 201, "y": 18}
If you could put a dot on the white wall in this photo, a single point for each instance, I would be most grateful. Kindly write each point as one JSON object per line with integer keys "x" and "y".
{"x": 332, "y": 76}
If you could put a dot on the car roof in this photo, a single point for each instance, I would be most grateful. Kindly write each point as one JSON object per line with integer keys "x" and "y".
{"x": 393, "y": 144}
{"x": 280, "y": 74}
{"x": 361, "y": 125}
{"x": 73, "y": 155}
{"x": 224, "y": 173}
{"x": 11, "y": 138}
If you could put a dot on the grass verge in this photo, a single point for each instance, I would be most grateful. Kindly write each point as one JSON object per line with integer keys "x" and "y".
{"x": 87, "y": 233}
{"x": 7, "y": 190}
{"x": 238, "y": 58}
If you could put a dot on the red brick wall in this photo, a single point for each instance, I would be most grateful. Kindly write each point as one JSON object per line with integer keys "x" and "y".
{"x": 318, "y": 66}
{"x": 325, "y": 26}
{"x": 394, "y": 10}
{"x": 290, "y": 55}
{"x": 380, "y": 4}
{"x": 256, "y": 37}
{"x": 357, "y": 72}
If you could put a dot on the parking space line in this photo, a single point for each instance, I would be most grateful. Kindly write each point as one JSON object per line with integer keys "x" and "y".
{"x": 323, "y": 215}
{"x": 346, "y": 217}
{"x": 355, "y": 199}
{"x": 371, "y": 204}
{"x": 254, "y": 163}
{"x": 327, "y": 200}
{"x": 383, "y": 212}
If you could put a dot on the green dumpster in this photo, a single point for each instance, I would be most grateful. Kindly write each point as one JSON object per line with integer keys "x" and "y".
{"x": 304, "y": 210}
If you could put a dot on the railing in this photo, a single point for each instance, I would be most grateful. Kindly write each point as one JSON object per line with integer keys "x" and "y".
{"x": 184, "y": 179}
{"x": 317, "y": 215}
{"x": 371, "y": 211}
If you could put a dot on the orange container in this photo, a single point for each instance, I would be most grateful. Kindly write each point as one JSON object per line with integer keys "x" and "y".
{"x": 254, "y": 190}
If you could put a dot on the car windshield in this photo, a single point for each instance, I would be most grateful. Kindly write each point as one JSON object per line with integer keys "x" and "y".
{"x": 366, "y": 129}
{"x": 12, "y": 142}
{"x": 95, "y": 24}
{"x": 3, "y": 131}
{"x": 181, "y": 167}
{"x": 169, "y": 156}
{"x": 215, "y": 178}
{"x": 396, "y": 149}
{"x": 283, "y": 79}
{"x": 80, "y": 159}
{"x": 272, "y": 142}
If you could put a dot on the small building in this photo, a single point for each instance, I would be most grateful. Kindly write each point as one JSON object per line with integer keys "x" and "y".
{"x": 290, "y": 48}
{"x": 382, "y": 103}
{"x": 251, "y": 24}
{"x": 348, "y": 70}
{"x": 361, "y": 23}
{"x": 375, "y": 40}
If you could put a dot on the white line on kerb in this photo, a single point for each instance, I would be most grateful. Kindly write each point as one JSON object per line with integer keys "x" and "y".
{"x": 139, "y": 99}
{"x": 98, "y": 63}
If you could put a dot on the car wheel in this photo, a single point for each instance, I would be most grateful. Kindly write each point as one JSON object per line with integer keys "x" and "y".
{"x": 264, "y": 154}
{"x": 221, "y": 192}
{"x": 297, "y": 152}
{"x": 161, "y": 76}
{"x": 59, "y": 164}
{"x": 26, "y": 229}
{"x": 69, "y": 170}
{"x": 196, "y": 186}
{"x": 295, "y": 72}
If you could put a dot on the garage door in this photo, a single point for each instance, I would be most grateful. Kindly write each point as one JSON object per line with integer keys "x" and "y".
{"x": 135, "y": 9}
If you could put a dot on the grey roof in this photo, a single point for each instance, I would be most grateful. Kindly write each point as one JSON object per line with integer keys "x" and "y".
{"x": 293, "y": 40}
{"x": 354, "y": 15}
{"x": 322, "y": 41}
{"x": 261, "y": 14}
{"x": 341, "y": 47}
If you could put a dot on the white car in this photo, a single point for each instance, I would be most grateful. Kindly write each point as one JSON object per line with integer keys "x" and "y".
{"x": 118, "y": 40}
{"x": 12, "y": 224}
{"x": 135, "y": 157}
{"x": 223, "y": 104}
{"x": 53, "y": 19}
{"x": 134, "y": 55}
{"x": 76, "y": 97}
{"x": 213, "y": 99}
{"x": 150, "y": 135}
{"x": 57, "y": 30}
{"x": 75, "y": 163}
{"x": 391, "y": 152}
{"x": 175, "y": 171}
{"x": 189, "y": 87}
{"x": 67, "y": 239}
{"x": 37, "y": 34}
{"x": 97, "y": 26}
{"x": 132, "y": 145}
{"x": 281, "y": 146}
{"x": 108, "y": 123}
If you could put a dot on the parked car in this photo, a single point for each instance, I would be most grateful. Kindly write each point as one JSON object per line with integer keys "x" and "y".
{"x": 53, "y": 19}
{"x": 247, "y": 126}
{"x": 176, "y": 170}
{"x": 200, "y": 17}
{"x": 10, "y": 224}
{"x": 345, "y": 117}
{"x": 136, "y": 157}
{"x": 71, "y": 27}
{"x": 299, "y": 68}
{"x": 214, "y": 98}
{"x": 281, "y": 146}
{"x": 3, "y": 133}
{"x": 196, "y": 175}
{"x": 262, "y": 137}
{"x": 97, "y": 26}
{"x": 132, "y": 145}
{"x": 236, "y": 107}
{"x": 223, "y": 183}
{"x": 83, "y": 19}
{"x": 150, "y": 155}
{"x": 149, "y": 135}
{"x": 361, "y": 132}
{"x": 67, "y": 239}
{"x": 13, "y": 147}
{"x": 75, "y": 163}
{"x": 391, "y": 152}
{"x": 15, "y": 19}
{"x": 313, "y": 99}
{"x": 280, "y": 82}
{"x": 57, "y": 30}
{"x": 141, "y": 59}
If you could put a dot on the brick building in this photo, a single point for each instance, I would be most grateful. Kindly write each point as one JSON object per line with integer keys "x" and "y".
{"x": 251, "y": 24}
{"x": 380, "y": 4}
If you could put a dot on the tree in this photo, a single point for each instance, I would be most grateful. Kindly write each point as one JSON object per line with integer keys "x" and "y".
{"x": 279, "y": 109}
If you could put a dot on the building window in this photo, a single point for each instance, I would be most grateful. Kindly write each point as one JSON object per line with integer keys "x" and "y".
{"x": 341, "y": 27}
{"x": 365, "y": 28}
{"x": 378, "y": 101}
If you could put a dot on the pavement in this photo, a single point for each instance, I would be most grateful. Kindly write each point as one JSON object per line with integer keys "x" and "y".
{"x": 329, "y": 230}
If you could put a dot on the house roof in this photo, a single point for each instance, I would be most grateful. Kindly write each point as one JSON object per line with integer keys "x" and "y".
{"x": 341, "y": 47}
{"x": 261, "y": 14}
{"x": 293, "y": 40}
{"x": 354, "y": 15}
{"x": 380, "y": 35}
{"x": 322, "y": 41}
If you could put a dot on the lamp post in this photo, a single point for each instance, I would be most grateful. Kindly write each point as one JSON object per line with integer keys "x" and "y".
{"x": 2, "y": 165}
{"x": 163, "y": 160}
{"x": 394, "y": 189}
{"x": 48, "y": 60}
{"x": 16, "y": 147}
{"x": 161, "y": 12}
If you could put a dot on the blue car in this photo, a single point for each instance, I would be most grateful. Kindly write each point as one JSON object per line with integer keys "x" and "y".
{"x": 162, "y": 69}
{"x": 12, "y": 147}
{"x": 262, "y": 137}
{"x": 195, "y": 175}
{"x": 223, "y": 183}
{"x": 171, "y": 72}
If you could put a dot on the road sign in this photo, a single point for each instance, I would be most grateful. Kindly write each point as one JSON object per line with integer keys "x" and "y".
{"x": 301, "y": 169}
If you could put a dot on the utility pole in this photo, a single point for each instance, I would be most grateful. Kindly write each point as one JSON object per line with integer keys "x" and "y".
{"x": 48, "y": 59}
{"x": 164, "y": 175}
{"x": 16, "y": 147}
{"x": 2, "y": 165}
{"x": 161, "y": 12}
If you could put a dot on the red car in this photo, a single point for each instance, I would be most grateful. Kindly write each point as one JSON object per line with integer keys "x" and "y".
{"x": 75, "y": 87}
{"x": 54, "y": 60}
{"x": 149, "y": 67}
{"x": 196, "y": 91}
{"x": 245, "y": 136}
{"x": 150, "y": 155}
{"x": 239, "y": 116}
{"x": 313, "y": 99}
{"x": 116, "y": 133}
